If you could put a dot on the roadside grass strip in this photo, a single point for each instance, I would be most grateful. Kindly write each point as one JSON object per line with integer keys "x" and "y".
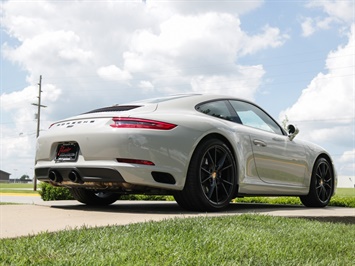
{"x": 231, "y": 240}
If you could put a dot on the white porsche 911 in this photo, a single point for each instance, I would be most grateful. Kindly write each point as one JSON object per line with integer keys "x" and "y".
{"x": 204, "y": 150}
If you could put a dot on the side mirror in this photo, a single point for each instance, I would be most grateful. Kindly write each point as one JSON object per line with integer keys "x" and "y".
{"x": 292, "y": 131}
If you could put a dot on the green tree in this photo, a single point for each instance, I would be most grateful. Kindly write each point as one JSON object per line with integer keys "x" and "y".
{"x": 24, "y": 177}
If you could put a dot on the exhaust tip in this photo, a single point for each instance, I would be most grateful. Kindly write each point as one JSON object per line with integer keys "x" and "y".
{"x": 75, "y": 177}
{"x": 55, "y": 176}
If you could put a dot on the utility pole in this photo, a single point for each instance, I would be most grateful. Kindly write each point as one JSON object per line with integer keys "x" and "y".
{"x": 39, "y": 105}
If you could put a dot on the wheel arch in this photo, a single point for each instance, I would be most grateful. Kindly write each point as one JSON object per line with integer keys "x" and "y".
{"x": 326, "y": 157}
{"x": 229, "y": 145}
{"x": 330, "y": 161}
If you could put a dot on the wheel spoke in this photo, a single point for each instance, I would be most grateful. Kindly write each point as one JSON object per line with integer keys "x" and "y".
{"x": 326, "y": 194}
{"x": 206, "y": 179}
{"x": 215, "y": 157}
{"x": 319, "y": 176}
{"x": 221, "y": 162}
{"x": 205, "y": 170}
{"x": 329, "y": 186}
{"x": 211, "y": 159}
{"x": 323, "y": 194}
{"x": 319, "y": 192}
{"x": 318, "y": 186}
{"x": 227, "y": 182}
{"x": 212, "y": 188}
{"x": 224, "y": 188}
{"x": 225, "y": 168}
{"x": 217, "y": 196}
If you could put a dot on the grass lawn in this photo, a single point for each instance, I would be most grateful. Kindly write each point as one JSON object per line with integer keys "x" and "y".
{"x": 232, "y": 240}
{"x": 344, "y": 197}
{"x": 345, "y": 192}
{"x": 17, "y": 188}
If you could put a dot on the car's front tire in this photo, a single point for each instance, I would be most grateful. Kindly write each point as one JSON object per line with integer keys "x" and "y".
{"x": 211, "y": 179}
{"x": 90, "y": 197}
{"x": 322, "y": 185}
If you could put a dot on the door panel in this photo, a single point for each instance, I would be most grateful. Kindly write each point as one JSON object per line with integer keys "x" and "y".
{"x": 278, "y": 160}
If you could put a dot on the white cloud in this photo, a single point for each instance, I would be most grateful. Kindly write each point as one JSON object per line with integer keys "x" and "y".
{"x": 337, "y": 12}
{"x": 325, "y": 111}
{"x": 213, "y": 41}
{"x": 147, "y": 86}
{"x": 49, "y": 54}
{"x": 311, "y": 25}
{"x": 336, "y": 9}
{"x": 348, "y": 156}
{"x": 329, "y": 96}
{"x": 270, "y": 37}
{"x": 112, "y": 72}
{"x": 196, "y": 7}
{"x": 307, "y": 27}
{"x": 184, "y": 40}
{"x": 243, "y": 83}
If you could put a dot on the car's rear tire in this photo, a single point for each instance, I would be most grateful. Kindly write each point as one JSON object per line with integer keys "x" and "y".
{"x": 211, "y": 179}
{"x": 90, "y": 197}
{"x": 322, "y": 185}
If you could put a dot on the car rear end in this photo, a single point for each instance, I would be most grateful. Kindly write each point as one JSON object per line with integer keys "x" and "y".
{"x": 113, "y": 148}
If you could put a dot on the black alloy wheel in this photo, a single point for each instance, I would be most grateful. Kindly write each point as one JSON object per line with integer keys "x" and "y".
{"x": 321, "y": 186}
{"x": 211, "y": 179}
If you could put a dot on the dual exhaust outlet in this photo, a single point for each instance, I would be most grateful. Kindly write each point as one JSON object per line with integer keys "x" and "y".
{"x": 73, "y": 176}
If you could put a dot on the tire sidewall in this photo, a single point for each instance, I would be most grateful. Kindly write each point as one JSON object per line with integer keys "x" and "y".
{"x": 312, "y": 199}
{"x": 195, "y": 174}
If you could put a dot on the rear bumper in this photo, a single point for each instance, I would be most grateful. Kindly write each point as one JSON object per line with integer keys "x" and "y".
{"x": 109, "y": 175}
{"x": 86, "y": 174}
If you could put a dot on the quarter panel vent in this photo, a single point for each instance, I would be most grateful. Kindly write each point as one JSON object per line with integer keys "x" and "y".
{"x": 162, "y": 177}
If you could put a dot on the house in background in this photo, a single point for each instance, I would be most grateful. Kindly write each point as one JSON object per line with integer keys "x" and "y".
{"x": 346, "y": 181}
{"x": 4, "y": 177}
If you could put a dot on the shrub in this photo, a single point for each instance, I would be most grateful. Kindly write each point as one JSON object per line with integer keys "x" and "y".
{"x": 335, "y": 201}
{"x": 49, "y": 192}
{"x": 342, "y": 201}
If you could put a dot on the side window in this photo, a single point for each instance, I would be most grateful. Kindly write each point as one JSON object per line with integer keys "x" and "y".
{"x": 217, "y": 109}
{"x": 252, "y": 116}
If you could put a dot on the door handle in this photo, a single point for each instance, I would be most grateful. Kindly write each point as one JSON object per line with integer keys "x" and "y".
{"x": 259, "y": 143}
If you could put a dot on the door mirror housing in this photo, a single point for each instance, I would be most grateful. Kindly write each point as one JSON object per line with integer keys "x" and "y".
{"x": 292, "y": 131}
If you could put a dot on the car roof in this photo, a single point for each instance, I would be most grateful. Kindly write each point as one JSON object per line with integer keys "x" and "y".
{"x": 183, "y": 100}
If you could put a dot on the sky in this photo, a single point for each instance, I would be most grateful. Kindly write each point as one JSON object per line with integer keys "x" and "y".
{"x": 293, "y": 58}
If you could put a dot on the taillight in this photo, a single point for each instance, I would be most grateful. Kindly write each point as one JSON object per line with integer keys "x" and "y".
{"x": 129, "y": 122}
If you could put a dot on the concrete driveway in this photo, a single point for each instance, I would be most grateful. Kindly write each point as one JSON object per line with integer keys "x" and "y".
{"x": 50, "y": 216}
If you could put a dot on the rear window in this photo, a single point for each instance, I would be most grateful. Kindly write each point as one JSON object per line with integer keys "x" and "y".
{"x": 115, "y": 108}
{"x": 217, "y": 109}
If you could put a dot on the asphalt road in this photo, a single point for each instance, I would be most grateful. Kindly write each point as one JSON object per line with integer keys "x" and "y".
{"x": 38, "y": 216}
